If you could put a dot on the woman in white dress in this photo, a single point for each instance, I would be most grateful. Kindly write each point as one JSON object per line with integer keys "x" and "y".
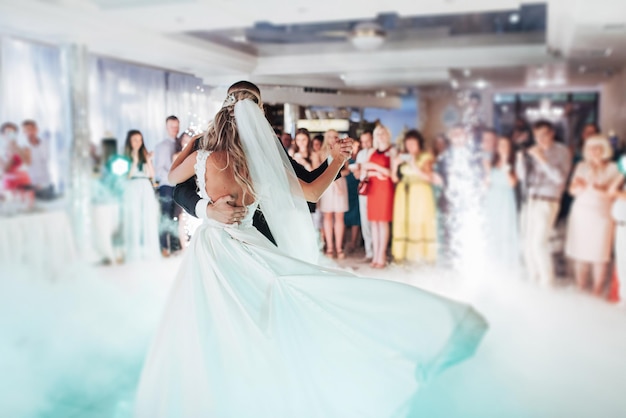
{"x": 140, "y": 206}
{"x": 590, "y": 228}
{"x": 253, "y": 330}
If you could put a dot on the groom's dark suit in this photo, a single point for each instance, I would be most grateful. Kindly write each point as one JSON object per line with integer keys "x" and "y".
{"x": 186, "y": 195}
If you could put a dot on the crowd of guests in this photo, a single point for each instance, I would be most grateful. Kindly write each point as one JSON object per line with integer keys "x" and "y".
{"x": 433, "y": 203}
{"x": 25, "y": 170}
{"x": 410, "y": 202}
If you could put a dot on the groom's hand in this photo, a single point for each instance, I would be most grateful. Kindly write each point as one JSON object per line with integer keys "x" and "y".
{"x": 224, "y": 210}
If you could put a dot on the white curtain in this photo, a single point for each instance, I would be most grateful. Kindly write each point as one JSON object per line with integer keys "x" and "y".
{"x": 126, "y": 96}
{"x": 122, "y": 96}
{"x": 191, "y": 101}
{"x": 31, "y": 88}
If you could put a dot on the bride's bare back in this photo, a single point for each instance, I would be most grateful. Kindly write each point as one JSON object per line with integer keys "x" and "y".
{"x": 220, "y": 180}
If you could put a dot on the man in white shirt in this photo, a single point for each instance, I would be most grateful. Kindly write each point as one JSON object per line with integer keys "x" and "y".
{"x": 543, "y": 169}
{"x": 163, "y": 159}
{"x": 37, "y": 157}
{"x": 362, "y": 157}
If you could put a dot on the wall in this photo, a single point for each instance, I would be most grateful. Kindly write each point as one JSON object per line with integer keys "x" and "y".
{"x": 613, "y": 105}
{"x": 441, "y": 107}
{"x": 397, "y": 120}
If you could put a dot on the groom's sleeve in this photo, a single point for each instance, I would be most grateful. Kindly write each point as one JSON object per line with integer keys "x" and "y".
{"x": 309, "y": 176}
{"x": 186, "y": 196}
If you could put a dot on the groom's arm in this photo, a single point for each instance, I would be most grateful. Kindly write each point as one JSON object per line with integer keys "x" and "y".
{"x": 309, "y": 176}
{"x": 186, "y": 196}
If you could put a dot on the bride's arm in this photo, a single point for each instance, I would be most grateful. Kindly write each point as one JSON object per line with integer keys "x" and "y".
{"x": 183, "y": 170}
{"x": 340, "y": 152}
{"x": 184, "y": 153}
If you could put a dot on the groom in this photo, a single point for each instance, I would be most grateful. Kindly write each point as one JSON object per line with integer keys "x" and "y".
{"x": 223, "y": 210}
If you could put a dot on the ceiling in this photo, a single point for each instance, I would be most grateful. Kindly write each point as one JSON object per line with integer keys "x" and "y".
{"x": 303, "y": 43}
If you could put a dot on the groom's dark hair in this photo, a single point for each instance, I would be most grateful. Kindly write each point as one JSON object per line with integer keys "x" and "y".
{"x": 244, "y": 85}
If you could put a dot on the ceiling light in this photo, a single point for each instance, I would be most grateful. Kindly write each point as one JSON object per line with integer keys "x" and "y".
{"x": 514, "y": 18}
{"x": 367, "y": 36}
{"x": 241, "y": 38}
{"x": 481, "y": 84}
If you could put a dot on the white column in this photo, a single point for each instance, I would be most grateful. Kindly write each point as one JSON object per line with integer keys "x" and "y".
{"x": 75, "y": 81}
{"x": 291, "y": 116}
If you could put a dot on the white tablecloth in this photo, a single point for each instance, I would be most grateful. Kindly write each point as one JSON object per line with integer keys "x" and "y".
{"x": 106, "y": 221}
{"x": 39, "y": 240}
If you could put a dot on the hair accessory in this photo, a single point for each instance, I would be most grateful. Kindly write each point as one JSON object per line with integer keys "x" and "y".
{"x": 230, "y": 100}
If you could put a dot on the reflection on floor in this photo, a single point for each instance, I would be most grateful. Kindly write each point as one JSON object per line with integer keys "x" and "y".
{"x": 72, "y": 347}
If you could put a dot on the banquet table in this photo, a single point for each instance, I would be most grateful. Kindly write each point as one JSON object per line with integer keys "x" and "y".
{"x": 41, "y": 240}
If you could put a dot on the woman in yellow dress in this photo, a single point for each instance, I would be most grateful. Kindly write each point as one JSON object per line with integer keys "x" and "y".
{"x": 414, "y": 214}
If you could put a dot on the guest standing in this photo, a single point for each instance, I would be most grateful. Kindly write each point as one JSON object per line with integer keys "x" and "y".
{"x": 352, "y": 217}
{"x": 164, "y": 153}
{"x": 501, "y": 210}
{"x": 380, "y": 194}
{"x": 488, "y": 145}
{"x": 302, "y": 152}
{"x": 360, "y": 173}
{"x": 334, "y": 204}
{"x": 37, "y": 158}
{"x": 186, "y": 224}
{"x": 140, "y": 207}
{"x": 287, "y": 141}
{"x": 589, "y": 130}
{"x": 441, "y": 144}
{"x": 414, "y": 213}
{"x": 318, "y": 142}
{"x": 590, "y": 227}
{"x": 618, "y": 212}
{"x": 543, "y": 169}
{"x": 460, "y": 172}
{"x": 13, "y": 170}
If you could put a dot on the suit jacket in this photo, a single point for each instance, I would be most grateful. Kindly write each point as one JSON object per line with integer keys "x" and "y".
{"x": 186, "y": 195}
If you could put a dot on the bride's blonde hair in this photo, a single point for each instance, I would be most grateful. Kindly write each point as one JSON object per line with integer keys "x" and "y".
{"x": 222, "y": 134}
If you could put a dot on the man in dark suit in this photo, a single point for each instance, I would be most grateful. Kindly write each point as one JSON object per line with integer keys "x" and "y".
{"x": 223, "y": 209}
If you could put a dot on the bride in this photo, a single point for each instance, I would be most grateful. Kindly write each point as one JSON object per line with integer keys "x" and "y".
{"x": 254, "y": 330}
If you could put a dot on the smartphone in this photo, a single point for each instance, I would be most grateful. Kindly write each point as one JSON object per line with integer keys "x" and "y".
{"x": 405, "y": 157}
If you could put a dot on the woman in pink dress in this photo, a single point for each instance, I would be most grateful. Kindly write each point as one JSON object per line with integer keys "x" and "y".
{"x": 590, "y": 227}
{"x": 334, "y": 203}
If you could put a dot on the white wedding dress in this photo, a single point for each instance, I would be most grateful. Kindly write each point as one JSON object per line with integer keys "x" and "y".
{"x": 250, "y": 332}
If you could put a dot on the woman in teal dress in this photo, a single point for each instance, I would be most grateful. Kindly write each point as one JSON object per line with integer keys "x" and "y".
{"x": 500, "y": 211}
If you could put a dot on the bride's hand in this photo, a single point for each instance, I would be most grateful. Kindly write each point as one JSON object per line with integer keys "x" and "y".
{"x": 224, "y": 211}
{"x": 342, "y": 149}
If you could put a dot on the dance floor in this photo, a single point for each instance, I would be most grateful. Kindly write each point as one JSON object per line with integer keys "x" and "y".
{"x": 72, "y": 346}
